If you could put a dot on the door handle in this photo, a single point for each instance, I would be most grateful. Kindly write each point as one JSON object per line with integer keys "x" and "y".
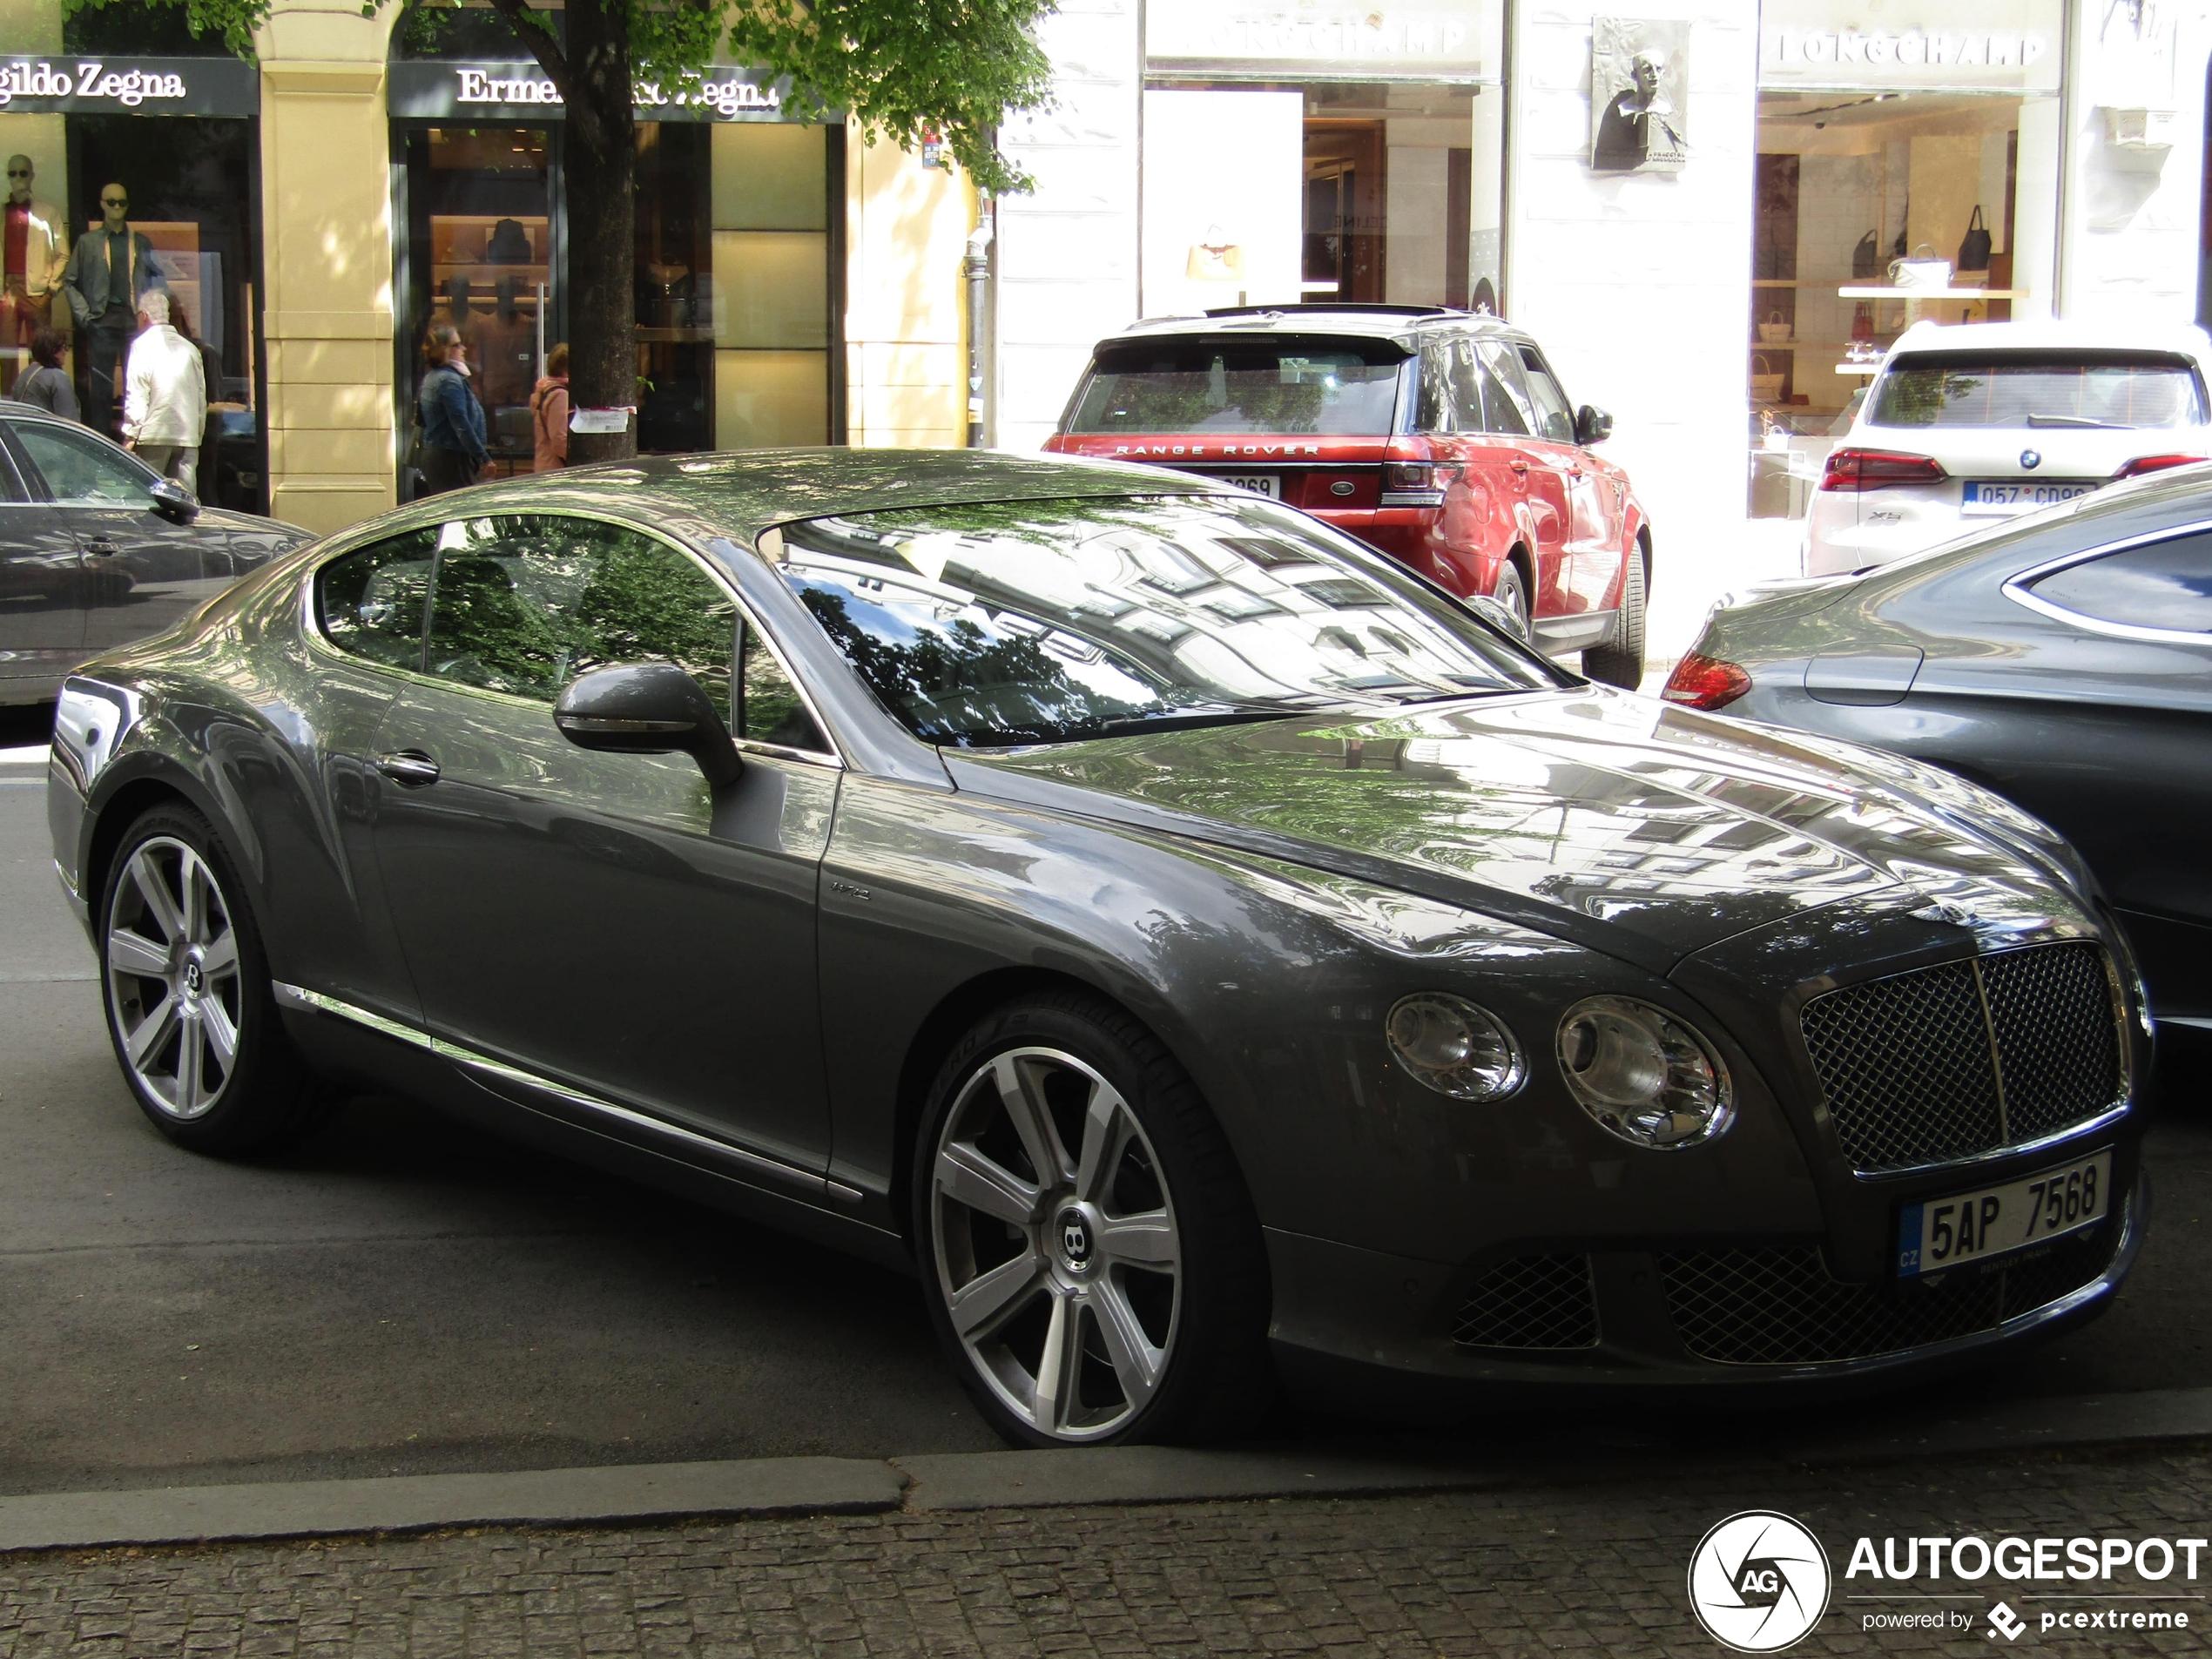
{"x": 410, "y": 767}
{"x": 1518, "y": 465}
{"x": 104, "y": 548}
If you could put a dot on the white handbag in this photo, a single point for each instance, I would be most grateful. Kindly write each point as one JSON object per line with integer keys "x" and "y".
{"x": 1923, "y": 270}
{"x": 1775, "y": 330}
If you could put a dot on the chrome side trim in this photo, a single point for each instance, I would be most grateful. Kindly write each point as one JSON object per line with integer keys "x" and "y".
{"x": 484, "y": 1067}
{"x": 306, "y": 1002}
{"x": 2017, "y": 589}
{"x": 68, "y": 885}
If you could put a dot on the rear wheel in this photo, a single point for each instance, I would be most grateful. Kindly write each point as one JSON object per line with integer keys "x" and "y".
{"x": 1512, "y": 592}
{"x": 186, "y": 988}
{"x": 1621, "y": 663}
{"x": 1093, "y": 1264}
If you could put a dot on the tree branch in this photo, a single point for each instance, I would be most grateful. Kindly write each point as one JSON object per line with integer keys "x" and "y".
{"x": 531, "y": 30}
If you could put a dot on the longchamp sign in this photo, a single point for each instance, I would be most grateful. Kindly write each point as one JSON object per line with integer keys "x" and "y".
{"x": 520, "y": 91}
{"x": 129, "y": 86}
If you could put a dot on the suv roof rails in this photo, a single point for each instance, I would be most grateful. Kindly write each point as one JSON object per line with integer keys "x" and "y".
{"x": 1357, "y": 308}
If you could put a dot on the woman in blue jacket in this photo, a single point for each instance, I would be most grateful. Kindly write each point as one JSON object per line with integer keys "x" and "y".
{"x": 453, "y": 422}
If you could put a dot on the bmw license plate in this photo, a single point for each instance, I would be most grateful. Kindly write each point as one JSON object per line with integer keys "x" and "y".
{"x": 1260, "y": 483}
{"x": 2018, "y": 496}
{"x": 1973, "y": 1227}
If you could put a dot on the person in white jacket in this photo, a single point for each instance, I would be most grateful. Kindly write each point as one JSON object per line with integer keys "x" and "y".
{"x": 164, "y": 402}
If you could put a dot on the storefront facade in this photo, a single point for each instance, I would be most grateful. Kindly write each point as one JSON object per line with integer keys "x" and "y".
{"x": 1693, "y": 283}
{"x": 316, "y": 211}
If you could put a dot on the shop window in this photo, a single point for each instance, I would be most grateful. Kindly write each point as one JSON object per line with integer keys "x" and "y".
{"x": 1331, "y": 191}
{"x": 1941, "y": 148}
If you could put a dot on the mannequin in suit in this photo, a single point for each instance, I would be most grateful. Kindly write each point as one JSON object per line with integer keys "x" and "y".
{"x": 110, "y": 270}
{"x": 37, "y": 252}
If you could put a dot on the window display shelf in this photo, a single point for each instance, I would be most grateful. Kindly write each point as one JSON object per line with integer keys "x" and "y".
{"x": 1870, "y": 293}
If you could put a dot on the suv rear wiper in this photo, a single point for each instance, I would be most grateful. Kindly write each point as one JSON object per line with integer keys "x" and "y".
{"x": 2078, "y": 421}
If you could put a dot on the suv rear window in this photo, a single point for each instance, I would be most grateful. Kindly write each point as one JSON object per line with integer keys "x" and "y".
{"x": 2085, "y": 390}
{"x": 1327, "y": 388}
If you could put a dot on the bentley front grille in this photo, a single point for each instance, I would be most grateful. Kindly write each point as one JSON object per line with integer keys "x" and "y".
{"x": 1782, "y": 1307}
{"x": 1967, "y": 1057}
{"x": 1531, "y": 1302}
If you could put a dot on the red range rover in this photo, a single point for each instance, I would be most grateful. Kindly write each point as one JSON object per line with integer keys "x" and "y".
{"x": 1442, "y": 438}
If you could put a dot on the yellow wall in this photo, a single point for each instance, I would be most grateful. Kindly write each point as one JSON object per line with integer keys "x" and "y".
{"x": 327, "y": 262}
{"x": 906, "y": 344}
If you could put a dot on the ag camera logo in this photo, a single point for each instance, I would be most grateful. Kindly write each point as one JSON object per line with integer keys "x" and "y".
{"x": 1759, "y": 1582}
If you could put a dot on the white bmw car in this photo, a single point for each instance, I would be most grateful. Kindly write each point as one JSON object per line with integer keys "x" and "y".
{"x": 1973, "y": 421}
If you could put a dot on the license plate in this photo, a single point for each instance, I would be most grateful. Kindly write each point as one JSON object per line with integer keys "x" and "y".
{"x": 1260, "y": 483}
{"x": 1974, "y": 1227}
{"x": 2013, "y": 496}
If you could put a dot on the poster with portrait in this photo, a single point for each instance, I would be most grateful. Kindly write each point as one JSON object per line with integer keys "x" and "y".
{"x": 1639, "y": 95}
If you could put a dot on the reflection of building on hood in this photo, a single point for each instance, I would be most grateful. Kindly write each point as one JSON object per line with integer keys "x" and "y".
{"x": 1638, "y": 127}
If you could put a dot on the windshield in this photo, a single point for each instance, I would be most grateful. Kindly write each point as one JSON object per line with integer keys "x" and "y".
{"x": 1043, "y": 622}
{"x": 1329, "y": 388}
{"x": 2055, "y": 390}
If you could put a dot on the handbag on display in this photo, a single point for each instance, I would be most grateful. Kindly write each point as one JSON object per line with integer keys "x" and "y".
{"x": 1974, "y": 251}
{"x": 1923, "y": 270}
{"x": 1775, "y": 329}
{"x": 1866, "y": 258}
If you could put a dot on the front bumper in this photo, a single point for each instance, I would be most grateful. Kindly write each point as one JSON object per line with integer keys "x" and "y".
{"x": 1356, "y": 1330}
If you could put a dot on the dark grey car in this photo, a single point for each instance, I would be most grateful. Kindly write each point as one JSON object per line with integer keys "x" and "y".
{"x": 1201, "y": 949}
{"x": 96, "y": 549}
{"x": 2063, "y": 661}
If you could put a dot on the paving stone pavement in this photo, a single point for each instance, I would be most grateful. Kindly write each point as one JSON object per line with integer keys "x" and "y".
{"x": 1597, "y": 1567}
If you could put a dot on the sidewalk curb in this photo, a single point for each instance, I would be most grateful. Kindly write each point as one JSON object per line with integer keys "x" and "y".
{"x": 952, "y": 1482}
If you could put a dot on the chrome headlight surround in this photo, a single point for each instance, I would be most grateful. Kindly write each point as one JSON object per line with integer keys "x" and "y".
{"x": 1643, "y": 1075}
{"x": 1456, "y": 1047}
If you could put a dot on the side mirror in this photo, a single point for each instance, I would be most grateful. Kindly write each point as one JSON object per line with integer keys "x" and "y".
{"x": 1496, "y": 615}
{"x": 1592, "y": 425}
{"x": 648, "y": 709}
{"x": 172, "y": 501}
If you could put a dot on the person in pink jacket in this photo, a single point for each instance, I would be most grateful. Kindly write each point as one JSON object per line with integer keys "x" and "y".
{"x": 550, "y": 411}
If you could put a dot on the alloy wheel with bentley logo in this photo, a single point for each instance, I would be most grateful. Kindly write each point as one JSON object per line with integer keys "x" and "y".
{"x": 1074, "y": 1223}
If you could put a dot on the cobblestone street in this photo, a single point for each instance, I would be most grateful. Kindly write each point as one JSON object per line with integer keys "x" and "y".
{"x": 1597, "y": 1567}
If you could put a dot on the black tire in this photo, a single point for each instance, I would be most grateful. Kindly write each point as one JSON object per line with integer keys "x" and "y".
{"x": 1081, "y": 1058}
{"x": 1512, "y": 592}
{"x": 262, "y": 1095}
{"x": 1621, "y": 662}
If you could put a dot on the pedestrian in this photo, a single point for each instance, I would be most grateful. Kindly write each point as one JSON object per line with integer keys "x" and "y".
{"x": 164, "y": 403}
{"x": 109, "y": 272}
{"x": 46, "y": 385}
{"x": 549, "y": 411}
{"x": 452, "y": 420}
{"x": 207, "y": 482}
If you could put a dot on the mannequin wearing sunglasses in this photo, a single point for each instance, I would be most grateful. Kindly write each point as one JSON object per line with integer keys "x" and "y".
{"x": 109, "y": 270}
{"x": 37, "y": 252}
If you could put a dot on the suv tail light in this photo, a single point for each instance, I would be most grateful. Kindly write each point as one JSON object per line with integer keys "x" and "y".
{"x": 1412, "y": 479}
{"x": 1873, "y": 469}
{"x": 1701, "y": 682}
{"x": 2142, "y": 464}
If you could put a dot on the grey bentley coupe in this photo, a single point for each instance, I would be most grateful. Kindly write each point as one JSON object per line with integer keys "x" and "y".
{"x": 1211, "y": 957}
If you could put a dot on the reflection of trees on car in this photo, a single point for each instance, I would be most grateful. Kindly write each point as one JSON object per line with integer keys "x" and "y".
{"x": 948, "y": 680}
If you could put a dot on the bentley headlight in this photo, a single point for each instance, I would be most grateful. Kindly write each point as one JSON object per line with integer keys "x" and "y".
{"x": 1454, "y": 1046}
{"x": 1642, "y": 1074}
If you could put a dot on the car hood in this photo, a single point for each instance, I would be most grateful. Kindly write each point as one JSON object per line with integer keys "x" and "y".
{"x": 1646, "y": 830}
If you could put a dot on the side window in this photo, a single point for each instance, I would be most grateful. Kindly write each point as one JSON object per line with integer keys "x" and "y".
{"x": 1466, "y": 388}
{"x": 370, "y": 601}
{"x": 1432, "y": 409}
{"x": 1555, "y": 420}
{"x": 524, "y": 603}
{"x": 81, "y": 469}
{"x": 1505, "y": 408}
{"x": 2162, "y": 584}
{"x": 769, "y": 707}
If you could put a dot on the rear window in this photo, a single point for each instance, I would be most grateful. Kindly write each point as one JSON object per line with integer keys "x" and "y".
{"x": 2057, "y": 390}
{"x": 1326, "y": 389}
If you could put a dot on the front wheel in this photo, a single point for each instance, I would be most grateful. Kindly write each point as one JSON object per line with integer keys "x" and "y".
{"x": 1093, "y": 1265}
{"x": 1621, "y": 662}
{"x": 187, "y": 987}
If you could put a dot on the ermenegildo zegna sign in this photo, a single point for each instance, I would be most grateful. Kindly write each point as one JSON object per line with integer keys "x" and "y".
{"x": 129, "y": 86}
{"x": 520, "y": 92}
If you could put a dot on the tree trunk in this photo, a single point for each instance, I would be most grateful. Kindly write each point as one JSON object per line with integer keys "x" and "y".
{"x": 602, "y": 125}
